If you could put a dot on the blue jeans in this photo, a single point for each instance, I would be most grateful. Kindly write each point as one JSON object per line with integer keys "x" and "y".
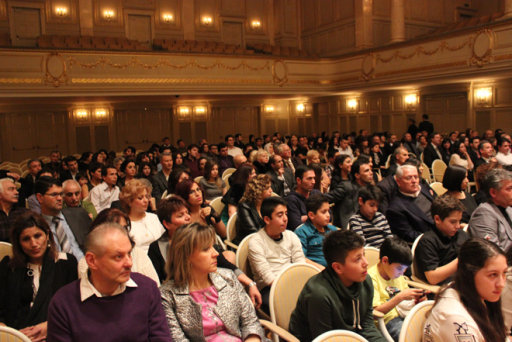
{"x": 394, "y": 326}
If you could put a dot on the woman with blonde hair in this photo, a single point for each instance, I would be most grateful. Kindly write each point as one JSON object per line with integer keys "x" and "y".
{"x": 313, "y": 157}
{"x": 146, "y": 228}
{"x": 249, "y": 217}
{"x": 203, "y": 302}
{"x": 261, "y": 162}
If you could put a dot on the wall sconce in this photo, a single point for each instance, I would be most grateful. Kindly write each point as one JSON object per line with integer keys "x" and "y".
{"x": 483, "y": 96}
{"x": 168, "y": 18}
{"x": 256, "y": 24}
{"x": 268, "y": 108}
{"x": 108, "y": 14}
{"x": 411, "y": 100}
{"x": 352, "y": 104}
{"x": 200, "y": 110}
{"x": 184, "y": 112}
{"x": 301, "y": 108}
{"x": 61, "y": 11}
{"x": 81, "y": 114}
{"x": 100, "y": 113}
{"x": 206, "y": 20}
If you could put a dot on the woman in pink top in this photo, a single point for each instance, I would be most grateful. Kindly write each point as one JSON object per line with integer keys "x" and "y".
{"x": 203, "y": 302}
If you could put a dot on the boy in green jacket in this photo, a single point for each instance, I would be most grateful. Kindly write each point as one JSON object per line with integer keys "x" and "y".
{"x": 340, "y": 297}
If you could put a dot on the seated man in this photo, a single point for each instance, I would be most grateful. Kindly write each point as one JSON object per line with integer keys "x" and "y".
{"x": 72, "y": 198}
{"x": 370, "y": 224}
{"x": 110, "y": 303}
{"x": 435, "y": 258}
{"x": 312, "y": 232}
{"x": 282, "y": 178}
{"x": 390, "y": 288}
{"x": 492, "y": 220}
{"x": 340, "y": 297}
{"x": 104, "y": 194}
{"x": 273, "y": 247}
{"x": 296, "y": 200}
{"x": 8, "y": 207}
{"x": 409, "y": 212}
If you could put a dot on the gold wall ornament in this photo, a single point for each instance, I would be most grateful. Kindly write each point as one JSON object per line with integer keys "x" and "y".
{"x": 96, "y": 80}
{"x": 368, "y": 67}
{"x": 162, "y": 62}
{"x": 55, "y": 72}
{"x": 482, "y": 48}
{"x": 279, "y": 72}
{"x": 20, "y": 80}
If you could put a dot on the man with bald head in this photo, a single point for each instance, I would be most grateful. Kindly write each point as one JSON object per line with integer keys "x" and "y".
{"x": 73, "y": 198}
{"x": 110, "y": 303}
{"x": 239, "y": 160}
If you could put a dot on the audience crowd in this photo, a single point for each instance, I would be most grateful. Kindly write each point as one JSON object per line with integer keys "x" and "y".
{"x": 132, "y": 247}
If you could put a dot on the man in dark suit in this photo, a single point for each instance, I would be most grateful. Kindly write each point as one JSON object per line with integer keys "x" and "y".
{"x": 72, "y": 171}
{"x": 289, "y": 162}
{"x": 224, "y": 159}
{"x": 282, "y": 178}
{"x": 409, "y": 212}
{"x": 69, "y": 225}
{"x": 161, "y": 178}
{"x": 27, "y": 183}
{"x": 486, "y": 153}
{"x": 426, "y": 125}
{"x": 432, "y": 151}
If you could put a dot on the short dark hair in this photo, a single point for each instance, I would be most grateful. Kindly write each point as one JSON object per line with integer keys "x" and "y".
{"x": 104, "y": 169}
{"x": 269, "y": 204}
{"x": 228, "y": 136}
{"x": 124, "y": 165}
{"x": 501, "y": 140}
{"x": 191, "y": 146}
{"x": 356, "y": 166}
{"x": 222, "y": 145}
{"x": 168, "y": 206}
{"x": 315, "y": 202}
{"x": 34, "y": 160}
{"x": 453, "y": 177}
{"x": 482, "y": 143}
{"x": 397, "y": 250}
{"x": 44, "y": 183}
{"x": 95, "y": 166}
{"x": 131, "y": 148}
{"x": 370, "y": 192}
{"x": 69, "y": 159}
{"x": 339, "y": 243}
{"x": 301, "y": 169}
{"x": 443, "y": 206}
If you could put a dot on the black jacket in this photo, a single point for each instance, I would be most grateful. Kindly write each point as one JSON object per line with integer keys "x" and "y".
{"x": 248, "y": 221}
{"x": 344, "y": 197}
{"x": 278, "y": 185}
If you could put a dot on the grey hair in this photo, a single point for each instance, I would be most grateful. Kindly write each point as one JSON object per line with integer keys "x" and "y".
{"x": 280, "y": 148}
{"x": 147, "y": 184}
{"x": 494, "y": 180}
{"x": 71, "y": 181}
{"x": 398, "y": 150}
{"x": 401, "y": 168}
{"x": 2, "y": 181}
{"x": 95, "y": 240}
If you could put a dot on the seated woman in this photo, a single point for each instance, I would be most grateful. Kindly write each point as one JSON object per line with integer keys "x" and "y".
{"x": 203, "y": 302}
{"x": 31, "y": 277}
{"x": 145, "y": 171}
{"x": 249, "y": 217}
{"x": 460, "y": 156}
{"x": 200, "y": 212}
{"x": 146, "y": 228}
{"x": 212, "y": 182}
{"x": 261, "y": 162}
{"x": 341, "y": 172}
{"x": 177, "y": 175}
{"x": 470, "y": 308}
{"x": 141, "y": 262}
{"x": 129, "y": 169}
{"x": 455, "y": 180}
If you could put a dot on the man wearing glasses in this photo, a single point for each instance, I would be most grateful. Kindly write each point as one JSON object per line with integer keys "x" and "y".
{"x": 69, "y": 225}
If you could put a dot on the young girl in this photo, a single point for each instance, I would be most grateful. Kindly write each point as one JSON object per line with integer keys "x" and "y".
{"x": 469, "y": 309}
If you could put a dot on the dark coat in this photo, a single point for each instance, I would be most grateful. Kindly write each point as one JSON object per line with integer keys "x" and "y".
{"x": 248, "y": 221}
{"x": 79, "y": 222}
{"x": 278, "y": 185}
{"x": 159, "y": 185}
{"x": 429, "y": 155}
{"x": 344, "y": 197}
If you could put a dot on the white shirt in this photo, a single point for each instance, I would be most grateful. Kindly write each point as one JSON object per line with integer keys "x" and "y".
{"x": 87, "y": 289}
{"x": 504, "y": 159}
{"x": 147, "y": 230}
{"x": 234, "y": 151}
{"x": 102, "y": 196}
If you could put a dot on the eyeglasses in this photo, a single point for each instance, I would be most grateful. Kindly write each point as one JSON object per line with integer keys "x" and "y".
{"x": 55, "y": 194}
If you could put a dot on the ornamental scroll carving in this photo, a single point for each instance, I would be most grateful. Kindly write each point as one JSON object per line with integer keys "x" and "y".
{"x": 482, "y": 48}
{"x": 55, "y": 70}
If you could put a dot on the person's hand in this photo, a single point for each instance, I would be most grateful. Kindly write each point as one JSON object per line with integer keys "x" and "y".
{"x": 409, "y": 294}
{"x": 205, "y": 212}
{"x": 36, "y": 333}
{"x": 280, "y": 172}
{"x": 255, "y": 296}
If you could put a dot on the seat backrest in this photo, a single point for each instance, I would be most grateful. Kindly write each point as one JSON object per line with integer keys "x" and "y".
{"x": 438, "y": 169}
{"x": 228, "y": 171}
{"x": 412, "y": 328}
{"x": 5, "y": 249}
{"x": 12, "y": 335}
{"x": 198, "y": 179}
{"x": 340, "y": 336}
{"x": 425, "y": 174}
{"x": 413, "y": 249}
{"x": 231, "y": 227}
{"x": 372, "y": 255}
{"x": 217, "y": 204}
{"x": 438, "y": 188}
{"x": 241, "y": 255}
{"x": 286, "y": 289}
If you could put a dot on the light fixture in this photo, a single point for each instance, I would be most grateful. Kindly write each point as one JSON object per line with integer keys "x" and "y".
{"x": 108, "y": 14}
{"x": 81, "y": 114}
{"x": 268, "y": 108}
{"x": 168, "y": 18}
{"x": 61, "y": 11}
{"x": 199, "y": 109}
{"x": 483, "y": 96}
{"x": 301, "y": 108}
{"x": 100, "y": 113}
{"x": 256, "y": 24}
{"x": 410, "y": 100}
{"x": 206, "y": 20}
{"x": 352, "y": 104}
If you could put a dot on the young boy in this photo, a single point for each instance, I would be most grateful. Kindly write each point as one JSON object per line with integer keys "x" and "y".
{"x": 273, "y": 247}
{"x": 435, "y": 258}
{"x": 340, "y": 297}
{"x": 312, "y": 233}
{"x": 390, "y": 288}
{"x": 368, "y": 222}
